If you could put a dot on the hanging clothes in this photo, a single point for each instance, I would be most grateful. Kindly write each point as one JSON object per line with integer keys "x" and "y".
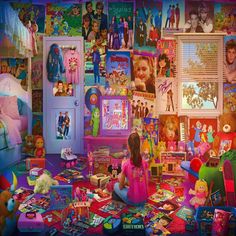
{"x": 55, "y": 66}
{"x": 71, "y": 62}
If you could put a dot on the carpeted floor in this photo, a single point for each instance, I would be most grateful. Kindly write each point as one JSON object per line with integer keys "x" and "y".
{"x": 176, "y": 227}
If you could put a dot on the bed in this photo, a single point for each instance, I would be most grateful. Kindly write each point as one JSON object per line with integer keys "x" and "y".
{"x": 15, "y": 112}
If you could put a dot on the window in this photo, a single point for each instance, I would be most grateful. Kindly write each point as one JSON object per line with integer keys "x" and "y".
{"x": 200, "y": 74}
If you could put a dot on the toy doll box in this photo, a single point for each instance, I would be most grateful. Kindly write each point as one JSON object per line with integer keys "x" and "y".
{"x": 204, "y": 218}
{"x": 35, "y": 162}
{"x": 30, "y": 222}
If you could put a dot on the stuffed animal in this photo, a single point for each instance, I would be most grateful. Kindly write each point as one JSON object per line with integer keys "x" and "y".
{"x": 39, "y": 147}
{"x": 29, "y": 144}
{"x": 95, "y": 120}
{"x": 225, "y": 139}
{"x": 8, "y": 209}
{"x": 114, "y": 170}
{"x": 44, "y": 182}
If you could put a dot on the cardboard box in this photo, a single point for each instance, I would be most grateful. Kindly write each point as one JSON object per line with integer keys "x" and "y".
{"x": 99, "y": 180}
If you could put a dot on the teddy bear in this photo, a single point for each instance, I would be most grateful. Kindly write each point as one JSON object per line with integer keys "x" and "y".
{"x": 8, "y": 209}
{"x": 225, "y": 139}
{"x": 29, "y": 144}
{"x": 44, "y": 182}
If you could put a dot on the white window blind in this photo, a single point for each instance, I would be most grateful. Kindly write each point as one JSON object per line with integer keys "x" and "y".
{"x": 200, "y": 74}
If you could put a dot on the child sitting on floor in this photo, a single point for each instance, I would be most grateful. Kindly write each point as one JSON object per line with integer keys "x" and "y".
{"x": 135, "y": 170}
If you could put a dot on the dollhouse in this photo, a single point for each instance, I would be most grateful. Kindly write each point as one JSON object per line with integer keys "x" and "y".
{"x": 130, "y": 102}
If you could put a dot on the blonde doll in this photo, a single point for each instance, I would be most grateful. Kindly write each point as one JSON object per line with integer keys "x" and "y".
{"x": 200, "y": 192}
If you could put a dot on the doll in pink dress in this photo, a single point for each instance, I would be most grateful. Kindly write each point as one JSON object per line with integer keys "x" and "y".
{"x": 200, "y": 192}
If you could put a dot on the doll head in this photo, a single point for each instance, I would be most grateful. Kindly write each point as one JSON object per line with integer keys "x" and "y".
{"x": 201, "y": 186}
{"x": 39, "y": 142}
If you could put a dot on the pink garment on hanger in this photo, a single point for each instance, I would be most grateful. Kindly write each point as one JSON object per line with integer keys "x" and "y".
{"x": 71, "y": 62}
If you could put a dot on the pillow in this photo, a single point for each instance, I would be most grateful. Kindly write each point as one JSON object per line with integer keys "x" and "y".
{"x": 8, "y": 104}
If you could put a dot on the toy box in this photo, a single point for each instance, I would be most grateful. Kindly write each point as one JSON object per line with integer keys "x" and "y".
{"x": 35, "y": 162}
{"x": 204, "y": 218}
{"x": 99, "y": 180}
{"x": 30, "y": 222}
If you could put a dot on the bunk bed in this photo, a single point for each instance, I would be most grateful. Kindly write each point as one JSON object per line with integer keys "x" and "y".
{"x": 14, "y": 43}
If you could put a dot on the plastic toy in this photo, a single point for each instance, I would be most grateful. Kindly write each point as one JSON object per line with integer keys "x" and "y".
{"x": 228, "y": 175}
{"x": 44, "y": 182}
{"x": 8, "y": 180}
{"x": 39, "y": 147}
{"x": 112, "y": 224}
{"x": 95, "y": 120}
{"x": 8, "y": 209}
{"x": 90, "y": 163}
{"x": 30, "y": 222}
{"x": 200, "y": 192}
{"x": 68, "y": 158}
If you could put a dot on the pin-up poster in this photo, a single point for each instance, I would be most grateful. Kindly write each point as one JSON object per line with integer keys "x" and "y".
{"x": 94, "y": 21}
{"x": 166, "y": 95}
{"x": 225, "y": 17}
{"x": 118, "y": 74}
{"x": 229, "y": 101}
{"x": 63, "y": 19}
{"x": 147, "y": 25}
{"x": 120, "y": 26}
{"x": 37, "y": 124}
{"x": 31, "y": 12}
{"x": 199, "y": 17}
{"x": 173, "y": 17}
{"x": 166, "y": 58}
{"x": 37, "y": 73}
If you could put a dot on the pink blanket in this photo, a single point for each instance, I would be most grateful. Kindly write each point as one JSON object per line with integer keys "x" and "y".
{"x": 14, "y": 136}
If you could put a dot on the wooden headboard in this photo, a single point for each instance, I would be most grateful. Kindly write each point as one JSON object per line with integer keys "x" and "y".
{"x": 9, "y": 85}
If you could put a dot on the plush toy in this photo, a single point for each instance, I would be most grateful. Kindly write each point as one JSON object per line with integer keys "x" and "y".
{"x": 39, "y": 147}
{"x": 114, "y": 171}
{"x": 29, "y": 144}
{"x": 225, "y": 139}
{"x": 8, "y": 209}
{"x": 44, "y": 182}
{"x": 95, "y": 120}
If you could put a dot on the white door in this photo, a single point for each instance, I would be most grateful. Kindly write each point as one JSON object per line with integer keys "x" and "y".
{"x": 63, "y": 114}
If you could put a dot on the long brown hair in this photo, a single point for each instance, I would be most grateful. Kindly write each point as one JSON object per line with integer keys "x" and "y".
{"x": 134, "y": 146}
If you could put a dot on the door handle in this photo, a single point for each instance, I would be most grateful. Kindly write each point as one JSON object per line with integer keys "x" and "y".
{"x": 76, "y": 103}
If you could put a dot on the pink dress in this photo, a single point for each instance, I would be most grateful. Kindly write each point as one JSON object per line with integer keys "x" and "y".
{"x": 199, "y": 199}
{"x": 137, "y": 191}
{"x": 71, "y": 63}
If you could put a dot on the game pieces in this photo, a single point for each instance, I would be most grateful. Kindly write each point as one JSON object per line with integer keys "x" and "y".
{"x": 111, "y": 224}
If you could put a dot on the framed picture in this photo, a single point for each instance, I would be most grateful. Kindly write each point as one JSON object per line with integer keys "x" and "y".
{"x": 171, "y": 163}
{"x": 216, "y": 198}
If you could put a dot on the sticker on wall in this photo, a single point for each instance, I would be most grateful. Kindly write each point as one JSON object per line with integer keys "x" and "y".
{"x": 120, "y": 34}
{"x": 147, "y": 26}
{"x": 172, "y": 17}
{"x": 37, "y": 124}
{"x": 63, "y": 125}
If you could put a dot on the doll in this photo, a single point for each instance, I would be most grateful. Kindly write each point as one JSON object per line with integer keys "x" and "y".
{"x": 90, "y": 163}
{"x": 95, "y": 120}
{"x": 200, "y": 192}
{"x": 39, "y": 150}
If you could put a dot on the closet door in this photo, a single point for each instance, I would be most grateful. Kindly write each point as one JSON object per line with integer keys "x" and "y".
{"x": 63, "y": 109}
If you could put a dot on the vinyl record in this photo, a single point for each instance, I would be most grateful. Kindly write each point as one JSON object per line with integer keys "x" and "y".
{"x": 92, "y": 98}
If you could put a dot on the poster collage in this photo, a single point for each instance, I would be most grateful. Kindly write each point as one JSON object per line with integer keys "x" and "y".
{"x": 130, "y": 49}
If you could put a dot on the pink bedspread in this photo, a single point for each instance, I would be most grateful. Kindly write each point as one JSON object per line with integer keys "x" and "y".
{"x": 13, "y": 131}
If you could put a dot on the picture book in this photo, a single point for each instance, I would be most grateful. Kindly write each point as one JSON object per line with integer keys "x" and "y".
{"x": 161, "y": 195}
{"x": 23, "y": 194}
{"x": 95, "y": 219}
{"x": 168, "y": 206}
{"x": 150, "y": 136}
{"x": 143, "y": 105}
{"x": 147, "y": 26}
{"x": 118, "y": 73}
{"x": 229, "y": 101}
{"x": 51, "y": 217}
{"x": 156, "y": 227}
{"x": 113, "y": 207}
{"x": 173, "y": 17}
{"x": 171, "y": 163}
{"x": 202, "y": 130}
{"x": 69, "y": 176}
{"x": 166, "y": 95}
{"x": 161, "y": 218}
{"x": 184, "y": 211}
{"x": 169, "y": 128}
{"x": 143, "y": 210}
{"x": 61, "y": 196}
{"x": 166, "y": 52}
{"x": 116, "y": 39}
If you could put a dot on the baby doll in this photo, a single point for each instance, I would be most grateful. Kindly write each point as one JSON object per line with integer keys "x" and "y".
{"x": 200, "y": 192}
{"x": 39, "y": 147}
